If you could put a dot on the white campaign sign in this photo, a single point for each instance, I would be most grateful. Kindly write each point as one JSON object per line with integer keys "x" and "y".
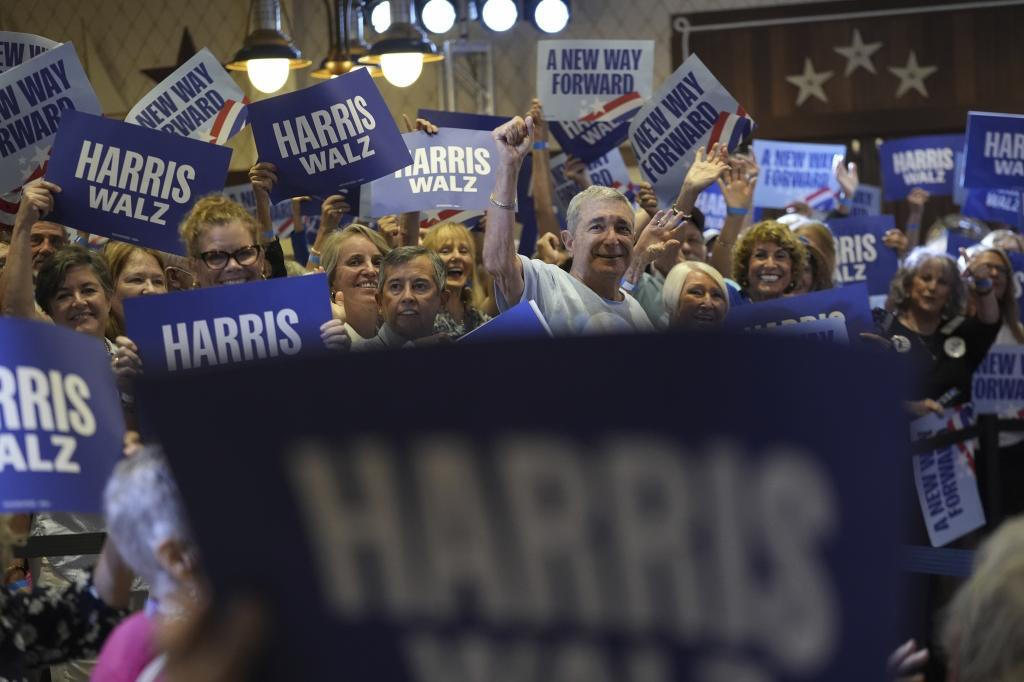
{"x": 947, "y": 487}
{"x": 594, "y": 80}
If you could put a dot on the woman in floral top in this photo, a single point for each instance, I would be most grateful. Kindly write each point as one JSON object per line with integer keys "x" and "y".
{"x": 463, "y": 312}
{"x": 46, "y": 625}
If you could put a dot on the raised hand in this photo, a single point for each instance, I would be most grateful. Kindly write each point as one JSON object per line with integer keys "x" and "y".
{"x": 737, "y": 187}
{"x": 513, "y": 141}
{"x": 540, "y": 125}
{"x": 917, "y": 199}
{"x": 647, "y": 199}
{"x": 331, "y": 211}
{"x": 263, "y": 177}
{"x": 126, "y": 363}
{"x": 549, "y": 249}
{"x": 36, "y": 202}
{"x": 847, "y": 177}
{"x": 576, "y": 170}
{"x": 705, "y": 170}
{"x": 334, "y": 336}
{"x": 422, "y": 125}
{"x": 896, "y": 240}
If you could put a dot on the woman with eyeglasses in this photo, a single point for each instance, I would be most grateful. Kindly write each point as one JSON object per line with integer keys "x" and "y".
{"x": 222, "y": 241}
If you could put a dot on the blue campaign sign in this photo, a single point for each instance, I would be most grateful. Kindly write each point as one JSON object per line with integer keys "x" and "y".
{"x": 128, "y": 182}
{"x": 867, "y": 200}
{"x": 62, "y": 425}
{"x": 998, "y": 383}
{"x": 33, "y": 98}
{"x": 526, "y": 215}
{"x": 521, "y": 320}
{"x": 860, "y": 254}
{"x": 712, "y": 205}
{"x": 603, "y": 545}
{"x": 927, "y": 162}
{"x": 589, "y": 140}
{"x": 848, "y": 303}
{"x": 955, "y": 242}
{"x": 327, "y": 136}
{"x": 797, "y": 172}
{"x": 229, "y": 324}
{"x": 994, "y": 205}
{"x": 452, "y": 169}
{"x": 995, "y": 150}
{"x": 16, "y": 48}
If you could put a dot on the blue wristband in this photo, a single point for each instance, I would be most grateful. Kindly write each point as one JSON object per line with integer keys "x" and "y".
{"x": 736, "y": 211}
{"x": 314, "y": 259}
{"x": 540, "y": 144}
{"x": 845, "y": 202}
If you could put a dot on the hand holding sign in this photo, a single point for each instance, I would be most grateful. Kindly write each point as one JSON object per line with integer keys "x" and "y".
{"x": 263, "y": 177}
{"x": 896, "y": 240}
{"x": 422, "y": 125}
{"x": 36, "y": 202}
{"x": 334, "y": 336}
{"x": 126, "y": 363}
{"x": 331, "y": 211}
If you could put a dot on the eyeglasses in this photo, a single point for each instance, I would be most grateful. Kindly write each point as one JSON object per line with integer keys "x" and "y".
{"x": 218, "y": 260}
{"x": 179, "y": 279}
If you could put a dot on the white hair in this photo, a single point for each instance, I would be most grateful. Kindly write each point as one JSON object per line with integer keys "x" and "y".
{"x": 592, "y": 193}
{"x": 983, "y": 633}
{"x": 676, "y": 279}
{"x": 143, "y": 510}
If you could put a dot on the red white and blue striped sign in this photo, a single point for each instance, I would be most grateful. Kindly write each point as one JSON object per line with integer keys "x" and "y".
{"x": 199, "y": 100}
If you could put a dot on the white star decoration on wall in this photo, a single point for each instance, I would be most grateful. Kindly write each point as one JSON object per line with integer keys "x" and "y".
{"x": 912, "y": 76}
{"x": 810, "y": 83}
{"x": 858, "y": 54}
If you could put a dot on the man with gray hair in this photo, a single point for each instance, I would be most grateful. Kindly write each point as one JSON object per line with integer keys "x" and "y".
{"x": 587, "y": 299}
{"x": 410, "y": 294}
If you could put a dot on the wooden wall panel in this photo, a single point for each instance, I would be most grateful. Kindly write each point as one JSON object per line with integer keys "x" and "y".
{"x": 978, "y": 51}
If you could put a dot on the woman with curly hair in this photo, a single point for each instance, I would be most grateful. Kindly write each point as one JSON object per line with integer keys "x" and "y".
{"x": 768, "y": 262}
{"x": 929, "y": 323}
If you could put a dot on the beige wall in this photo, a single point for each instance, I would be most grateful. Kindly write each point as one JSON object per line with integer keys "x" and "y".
{"x": 117, "y": 38}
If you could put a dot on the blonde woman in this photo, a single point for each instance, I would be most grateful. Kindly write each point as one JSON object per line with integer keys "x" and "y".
{"x": 466, "y": 300}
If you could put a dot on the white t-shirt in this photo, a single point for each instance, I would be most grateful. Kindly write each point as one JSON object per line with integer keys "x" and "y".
{"x": 571, "y": 307}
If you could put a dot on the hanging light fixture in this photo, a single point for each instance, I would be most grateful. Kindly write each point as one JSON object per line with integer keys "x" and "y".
{"x": 499, "y": 15}
{"x": 550, "y": 16}
{"x": 403, "y": 49}
{"x": 437, "y": 16}
{"x": 346, "y": 41}
{"x": 268, "y": 54}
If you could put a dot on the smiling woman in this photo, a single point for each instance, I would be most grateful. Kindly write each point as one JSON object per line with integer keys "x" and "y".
{"x": 454, "y": 244}
{"x": 768, "y": 261}
{"x": 351, "y": 258}
{"x": 222, "y": 240}
{"x": 930, "y": 325}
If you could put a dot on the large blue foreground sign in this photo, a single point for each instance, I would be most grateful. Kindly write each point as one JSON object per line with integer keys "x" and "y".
{"x": 620, "y": 545}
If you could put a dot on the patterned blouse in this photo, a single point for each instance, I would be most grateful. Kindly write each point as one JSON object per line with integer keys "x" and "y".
{"x": 49, "y": 625}
{"x": 445, "y": 324}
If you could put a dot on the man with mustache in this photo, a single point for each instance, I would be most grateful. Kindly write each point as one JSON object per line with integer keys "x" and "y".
{"x": 587, "y": 299}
